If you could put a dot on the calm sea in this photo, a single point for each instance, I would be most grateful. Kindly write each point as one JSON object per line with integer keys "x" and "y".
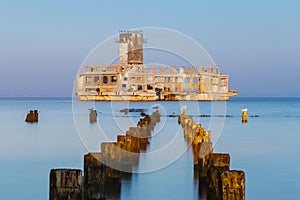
{"x": 267, "y": 148}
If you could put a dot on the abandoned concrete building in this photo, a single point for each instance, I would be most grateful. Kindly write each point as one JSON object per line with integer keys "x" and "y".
{"x": 131, "y": 80}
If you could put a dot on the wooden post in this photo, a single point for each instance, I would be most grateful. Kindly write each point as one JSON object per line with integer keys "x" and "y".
{"x": 93, "y": 116}
{"x": 65, "y": 184}
{"x": 112, "y": 159}
{"x": 35, "y": 115}
{"x": 111, "y": 154}
{"x": 217, "y": 163}
{"x": 233, "y": 185}
{"x": 94, "y": 177}
{"x": 205, "y": 150}
{"x": 32, "y": 116}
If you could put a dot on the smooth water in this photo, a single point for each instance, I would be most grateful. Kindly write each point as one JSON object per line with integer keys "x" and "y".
{"x": 266, "y": 148}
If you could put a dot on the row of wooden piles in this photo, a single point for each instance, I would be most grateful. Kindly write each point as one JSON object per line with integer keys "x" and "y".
{"x": 216, "y": 180}
{"x": 104, "y": 170}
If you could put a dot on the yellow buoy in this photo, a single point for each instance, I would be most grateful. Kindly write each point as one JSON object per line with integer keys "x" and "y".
{"x": 244, "y": 115}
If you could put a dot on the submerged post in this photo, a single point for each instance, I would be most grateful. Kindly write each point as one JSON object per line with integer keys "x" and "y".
{"x": 94, "y": 177}
{"x": 93, "y": 116}
{"x": 32, "y": 116}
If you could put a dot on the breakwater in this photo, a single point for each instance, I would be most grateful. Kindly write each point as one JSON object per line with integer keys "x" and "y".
{"x": 216, "y": 180}
{"x": 104, "y": 170}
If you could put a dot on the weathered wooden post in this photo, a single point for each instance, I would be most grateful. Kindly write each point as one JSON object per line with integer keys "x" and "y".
{"x": 94, "y": 177}
{"x": 126, "y": 156}
{"x": 217, "y": 163}
{"x": 35, "y": 115}
{"x": 232, "y": 185}
{"x": 143, "y": 137}
{"x": 112, "y": 158}
{"x": 65, "y": 184}
{"x": 196, "y": 144}
{"x": 205, "y": 150}
{"x": 93, "y": 116}
{"x": 133, "y": 147}
{"x": 189, "y": 133}
{"x": 179, "y": 119}
{"x": 32, "y": 116}
{"x": 29, "y": 117}
{"x": 200, "y": 150}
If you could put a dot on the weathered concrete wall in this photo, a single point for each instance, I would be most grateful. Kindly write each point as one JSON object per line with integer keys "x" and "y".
{"x": 112, "y": 158}
{"x": 65, "y": 184}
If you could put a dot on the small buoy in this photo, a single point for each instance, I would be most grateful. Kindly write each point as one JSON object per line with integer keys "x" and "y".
{"x": 244, "y": 115}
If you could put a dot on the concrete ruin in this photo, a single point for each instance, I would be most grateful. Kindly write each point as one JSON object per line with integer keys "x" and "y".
{"x": 131, "y": 80}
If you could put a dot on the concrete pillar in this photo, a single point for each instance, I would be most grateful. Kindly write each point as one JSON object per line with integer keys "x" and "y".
{"x": 65, "y": 184}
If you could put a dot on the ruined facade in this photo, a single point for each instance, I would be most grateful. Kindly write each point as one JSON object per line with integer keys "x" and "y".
{"x": 132, "y": 80}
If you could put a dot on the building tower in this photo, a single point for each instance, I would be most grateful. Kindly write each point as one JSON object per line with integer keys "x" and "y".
{"x": 131, "y": 47}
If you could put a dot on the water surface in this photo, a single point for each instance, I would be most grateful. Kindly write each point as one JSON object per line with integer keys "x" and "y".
{"x": 266, "y": 148}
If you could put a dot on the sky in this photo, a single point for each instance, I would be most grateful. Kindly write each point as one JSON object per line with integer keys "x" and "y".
{"x": 43, "y": 43}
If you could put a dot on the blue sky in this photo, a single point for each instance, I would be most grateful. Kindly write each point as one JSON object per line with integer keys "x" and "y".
{"x": 43, "y": 43}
